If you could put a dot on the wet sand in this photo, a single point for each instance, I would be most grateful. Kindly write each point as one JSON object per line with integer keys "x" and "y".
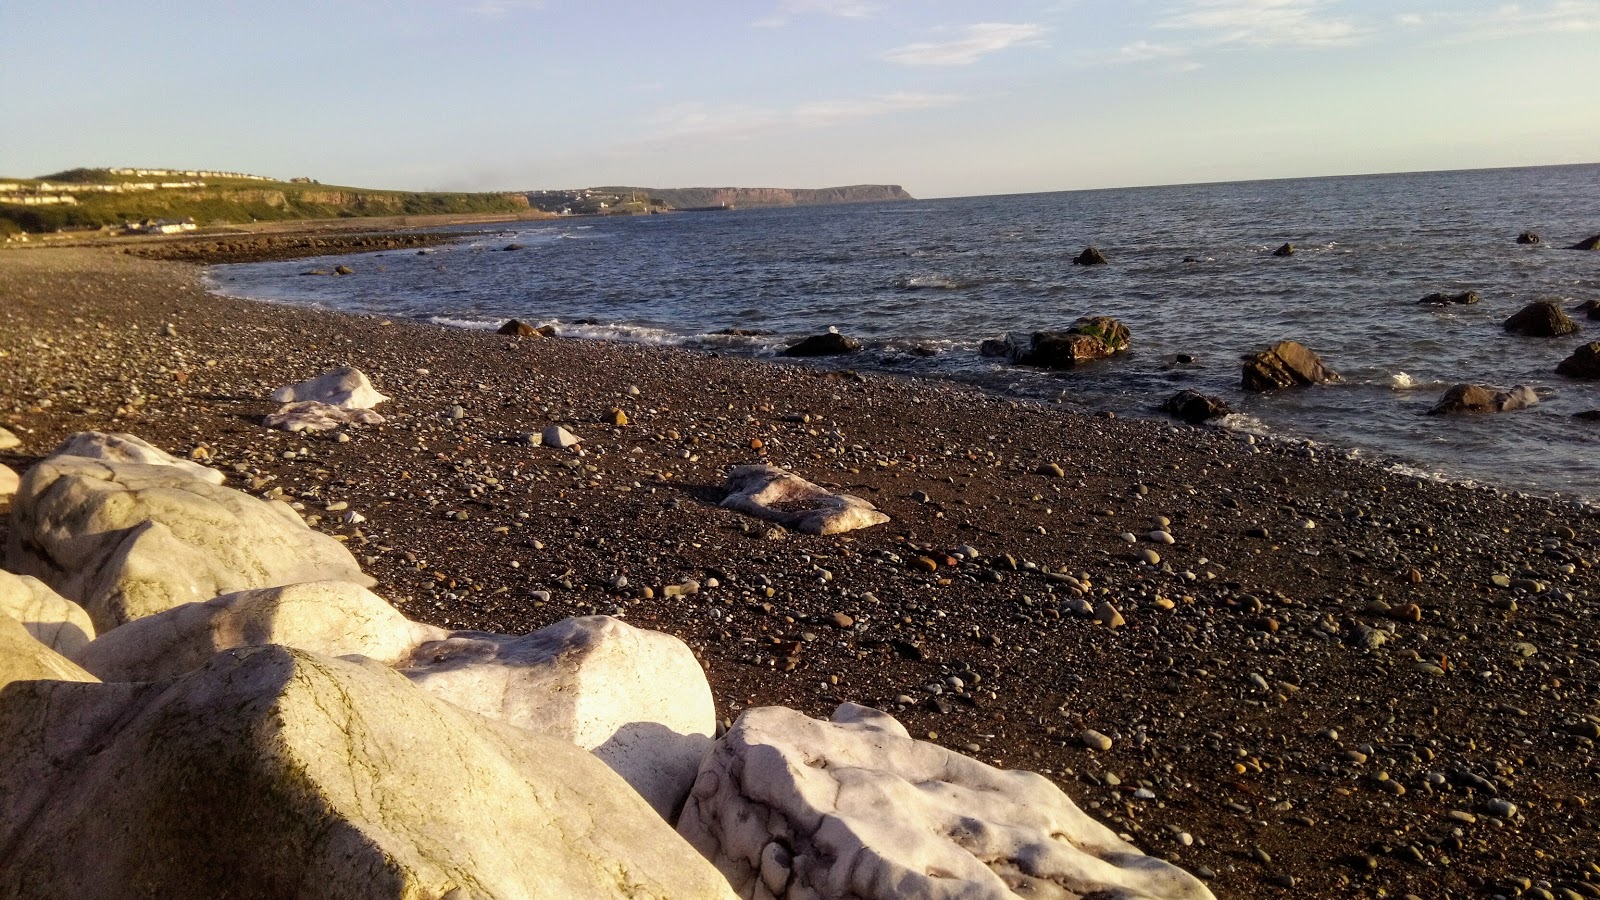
{"x": 1319, "y": 688}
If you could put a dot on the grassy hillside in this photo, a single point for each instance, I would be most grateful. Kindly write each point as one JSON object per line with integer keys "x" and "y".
{"x": 230, "y": 201}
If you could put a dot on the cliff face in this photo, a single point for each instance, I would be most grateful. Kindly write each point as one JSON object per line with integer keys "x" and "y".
{"x": 747, "y": 198}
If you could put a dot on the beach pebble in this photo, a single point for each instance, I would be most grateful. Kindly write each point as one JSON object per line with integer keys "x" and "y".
{"x": 556, "y": 436}
{"x": 1162, "y": 537}
{"x": 1108, "y": 615}
{"x": 1051, "y": 470}
{"x": 1150, "y": 557}
{"x": 1499, "y": 807}
{"x": 1094, "y": 740}
{"x": 9, "y": 441}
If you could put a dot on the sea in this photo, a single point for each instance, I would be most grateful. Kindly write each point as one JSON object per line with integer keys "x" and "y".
{"x": 1191, "y": 274}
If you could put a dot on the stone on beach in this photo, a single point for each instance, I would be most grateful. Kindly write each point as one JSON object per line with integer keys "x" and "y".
{"x": 1544, "y": 318}
{"x": 271, "y": 772}
{"x": 331, "y": 618}
{"x": 345, "y": 387}
{"x": 1194, "y": 407}
{"x": 1285, "y": 364}
{"x": 24, "y": 658}
{"x": 310, "y": 415}
{"x": 1584, "y": 363}
{"x": 8, "y": 440}
{"x": 52, "y": 619}
{"x": 9, "y": 482}
{"x": 792, "y": 807}
{"x": 777, "y": 495}
{"x": 519, "y": 328}
{"x": 831, "y": 343}
{"x": 1475, "y": 398}
{"x": 125, "y": 448}
{"x": 556, "y": 436}
{"x": 126, "y": 540}
{"x": 637, "y": 698}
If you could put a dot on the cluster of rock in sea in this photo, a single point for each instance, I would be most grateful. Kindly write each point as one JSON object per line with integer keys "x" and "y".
{"x": 201, "y": 696}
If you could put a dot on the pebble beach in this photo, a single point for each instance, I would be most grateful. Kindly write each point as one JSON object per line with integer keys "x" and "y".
{"x": 1290, "y": 672}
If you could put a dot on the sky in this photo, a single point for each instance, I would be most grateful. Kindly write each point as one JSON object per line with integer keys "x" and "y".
{"x": 945, "y": 98}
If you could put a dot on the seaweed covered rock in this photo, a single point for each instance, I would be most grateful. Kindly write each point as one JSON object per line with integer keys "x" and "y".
{"x": 637, "y": 698}
{"x": 792, "y": 807}
{"x": 830, "y": 343}
{"x": 1194, "y": 407}
{"x": 1089, "y": 338}
{"x": 1543, "y": 318}
{"x": 1584, "y": 363}
{"x": 271, "y": 772}
{"x": 1285, "y": 364}
{"x": 1475, "y": 398}
{"x": 52, "y": 619}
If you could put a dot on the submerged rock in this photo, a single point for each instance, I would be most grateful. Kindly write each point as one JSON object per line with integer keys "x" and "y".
{"x": 52, "y": 619}
{"x": 271, "y": 772}
{"x": 1091, "y": 256}
{"x": 345, "y": 386}
{"x": 776, "y": 495}
{"x": 1285, "y": 250}
{"x": 1589, "y": 308}
{"x": 1583, "y": 363}
{"x": 793, "y": 807}
{"x": 1528, "y": 237}
{"x": 1475, "y": 398}
{"x": 1194, "y": 407}
{"x": 831, "y": 343}
{"x": 637, "y": 698}
{"x": 1440, "y": 298}
{"x": 1285, "y": 364}
{"x": 1544, "y": 318}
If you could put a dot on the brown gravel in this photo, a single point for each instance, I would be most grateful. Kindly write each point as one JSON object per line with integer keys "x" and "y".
{"x": 1284, "y": 692}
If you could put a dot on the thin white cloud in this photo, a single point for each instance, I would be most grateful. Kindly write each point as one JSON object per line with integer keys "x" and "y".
{"x": 789, "y": 10}
{"x": 497, "y": 8}
{"x": 1521, "y": 19}
{"x": 1264, "y": 23}
{"x": 707, "y": 122}
{"x": 975, "y": 42}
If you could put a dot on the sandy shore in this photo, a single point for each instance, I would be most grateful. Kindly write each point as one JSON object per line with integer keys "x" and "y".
{"x": 1319, "y": 690}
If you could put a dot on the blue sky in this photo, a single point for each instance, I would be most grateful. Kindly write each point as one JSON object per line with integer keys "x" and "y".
{"x": 947, "y": 98}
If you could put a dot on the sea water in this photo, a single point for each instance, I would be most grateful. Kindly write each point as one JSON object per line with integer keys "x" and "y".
{"x": 1191, "y": 272}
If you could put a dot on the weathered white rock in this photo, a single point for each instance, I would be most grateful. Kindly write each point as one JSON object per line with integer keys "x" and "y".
{"x": 9, "y": 481}
{"x": 776, "y": 495}
{"x": 793, "y": 807}
{"x": 126, "y": 540}
{"x": 275, "y": 773}
{"x": 9, "y": 441}
{"x": 125, "y": 448}
{"x": 345, "y": 386}
{"x": 556, "y": 436}
{"x": 637, "y": 698}
{"x": 309, "y": 415}
{"x": 52, "y": 619}
{"x": 330, "y": 618}
{"x": 22, "y": 658}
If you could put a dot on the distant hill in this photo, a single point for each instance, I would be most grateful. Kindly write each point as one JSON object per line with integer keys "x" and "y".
{"x": 91, "y": 198}
{"x": 634, "y": 200}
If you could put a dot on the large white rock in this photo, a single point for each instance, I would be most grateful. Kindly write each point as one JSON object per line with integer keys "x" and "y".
{"x": 9, "y": 481}
{"x": 344, "y": 387}
{"x": 330, "y": 618}
{"x": 52, "y": 619}
{"x": 125, "y": 448}
{"x": 789, "y": 806}
{"x": 23, "y": 658}
{"x": 275, "y": 773}
{"x": 771, "y": 493}
{"x": 126, "y": 540}
{"x": 637, "y": 698}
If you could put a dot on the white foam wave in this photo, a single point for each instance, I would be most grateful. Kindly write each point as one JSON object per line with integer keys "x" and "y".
{"x": 474, "y": 324}
{"x": 931, "y": 282}
{"x": 1400, "y": 381}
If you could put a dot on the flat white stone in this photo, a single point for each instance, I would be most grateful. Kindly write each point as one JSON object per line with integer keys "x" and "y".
{"x": 345, "y": 387}
{"x": 637, "y": 698}
{"x": 329, "y": 618}
{"x": 309, "y": 415}
{"x": 9, "y": 441}
{"x": 777, "y": 495}
{"x": 52, "y": 619}
{"x": 789, "y": 806}
{"x": 125, "y": 448}
{"x": 271, "y": 772}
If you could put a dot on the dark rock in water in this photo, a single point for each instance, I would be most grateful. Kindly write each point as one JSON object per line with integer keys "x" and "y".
{"x": 1588, "y": 244}
{"x": 1184, "y": 359}
{"x": 343, "y": 270}
{"x": 519, "y": 328}
{"x": 510, "y": 247}
{"x": 1194, "y": 407}
{"x": 923, "y": 350}
{"x": 315, "y": 272}
{"x": 1001, "y": 346}
{"x": 1475, "y": 398}
{"x": 1583, "y": 363}
{"x": 1285, "y": 250}
{"x": 1590, "y": 309}
{"x": 1190, "y": 259}
{"x": 1542, "y": 319}
{"x": 1089, "y": 338}
{"x": 1090, "y": 257}
{"x": 746, "y": 332}
{"x": 1590, "y": 415}
{"x": 1527, "y": 237}
{"x": 1285, "y": 364}
{"x": 1440, "y": 298}
{"x": 587, "y": 322}
{"x": 830, "y": 344}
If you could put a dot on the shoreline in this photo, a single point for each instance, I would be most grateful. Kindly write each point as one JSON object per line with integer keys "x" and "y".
{"x": 1236, "y": 765}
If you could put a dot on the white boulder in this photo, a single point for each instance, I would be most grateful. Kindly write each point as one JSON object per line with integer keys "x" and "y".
{"x": 309, "y": 415}
{"x": 126, "y": 540}
{"x": 275, "y": 773}
{"x": 125, "y": 448}
{"x": 23, "y": 658}
{"x": 776, "y": 495}
{"x": 9, "y": 482}
{"x": 330, "y": 618}
{"x": 52, "y": 619}
{"x": 637, "y": 698}
{"x": 789, "y": 806}
{"x": 556, "y": 436}
{"x": 344, "y": 387}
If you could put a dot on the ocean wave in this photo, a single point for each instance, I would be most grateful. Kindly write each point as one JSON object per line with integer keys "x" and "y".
{"x": 931, "y": 283}
{"x": 473, "y": 324}
{"x": 1400, "y": 381}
